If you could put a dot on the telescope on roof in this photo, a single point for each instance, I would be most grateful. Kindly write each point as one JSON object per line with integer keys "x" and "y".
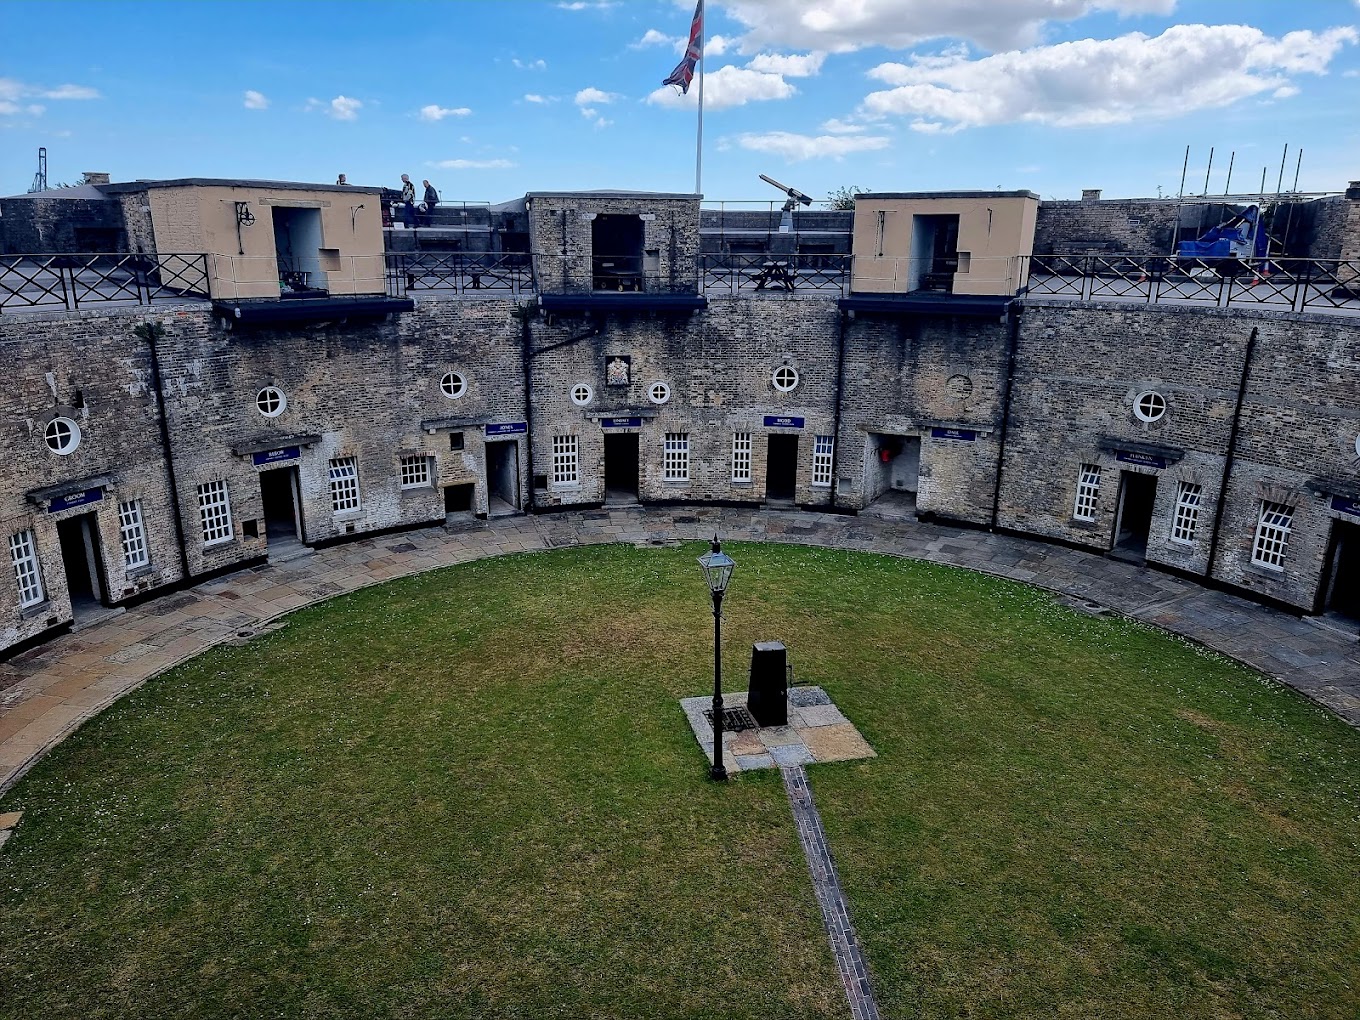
{"x": 796, "y": 197}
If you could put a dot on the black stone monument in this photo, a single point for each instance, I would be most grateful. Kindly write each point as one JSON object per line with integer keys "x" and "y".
{"x": 768, "y": 700}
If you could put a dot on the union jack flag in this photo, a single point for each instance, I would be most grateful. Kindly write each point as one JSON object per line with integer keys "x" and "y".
{"x": 684, "y": 71}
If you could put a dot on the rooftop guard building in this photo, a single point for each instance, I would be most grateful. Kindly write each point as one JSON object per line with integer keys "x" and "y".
{"x": 250, "y": 368}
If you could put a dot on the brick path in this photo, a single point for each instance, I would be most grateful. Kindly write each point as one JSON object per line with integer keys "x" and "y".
{"x": 48, "y": 691}
{"x": 827, "y": 885}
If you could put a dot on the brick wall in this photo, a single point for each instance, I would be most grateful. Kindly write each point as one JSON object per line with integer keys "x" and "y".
{"x": 560, "y": 228}
{"x": 1139, "y": 226}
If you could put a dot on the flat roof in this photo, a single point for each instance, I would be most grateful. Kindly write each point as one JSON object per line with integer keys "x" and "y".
{"x": 89, "y": 192}
{"x": 219, "y": 182}
{"x": 948, "y": 194}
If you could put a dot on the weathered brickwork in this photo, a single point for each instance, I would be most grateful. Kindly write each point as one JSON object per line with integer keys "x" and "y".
{"x": 90, "y": 368}
{"x": 1134, "y": 226}
{"x": 1336, "y": 228}
{"x": 61, "y": 224}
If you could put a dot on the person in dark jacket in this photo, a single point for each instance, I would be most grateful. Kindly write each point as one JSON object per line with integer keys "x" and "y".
{"x": 431, "y": 200}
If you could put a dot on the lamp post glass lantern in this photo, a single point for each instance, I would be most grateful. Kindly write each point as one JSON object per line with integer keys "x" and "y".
{"x": 718, "y": 567}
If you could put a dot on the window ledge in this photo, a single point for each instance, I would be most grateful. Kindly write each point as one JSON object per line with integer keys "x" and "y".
{"x": 1265, "y": 570}
{"x": 347, "y": 515}
{"x": 1077, "y": 522}
{"x": 138, "y": 571}
{"x": 36, "y": 610}
{"x": 219, "y": 543}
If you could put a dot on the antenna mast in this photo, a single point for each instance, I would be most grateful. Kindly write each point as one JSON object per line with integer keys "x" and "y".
{"x": 40, "y": 178}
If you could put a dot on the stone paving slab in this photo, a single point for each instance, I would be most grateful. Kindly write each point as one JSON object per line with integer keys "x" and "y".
{"x": 1321, "y": 663}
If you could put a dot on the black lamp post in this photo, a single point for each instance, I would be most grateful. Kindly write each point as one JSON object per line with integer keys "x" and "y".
{"x": 717, "y": 572}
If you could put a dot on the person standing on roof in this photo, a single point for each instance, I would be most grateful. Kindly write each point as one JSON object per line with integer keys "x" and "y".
{"x": 431, "y": 200}
{"x": 408, "y": 202}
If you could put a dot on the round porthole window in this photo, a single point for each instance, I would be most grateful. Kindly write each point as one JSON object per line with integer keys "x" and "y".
{"x": 1149, "y": 406}
{"x": 271, "y": 401}
{"x": 659, "y": 393}
{"x": 581, "y": 394}
{"x": 785, "y": 378}
{"x": 62, "y": 435}
{"x": 453, "y": 385}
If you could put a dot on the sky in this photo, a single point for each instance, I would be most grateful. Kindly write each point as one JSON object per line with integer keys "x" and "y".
{"x": 490, "y": 99}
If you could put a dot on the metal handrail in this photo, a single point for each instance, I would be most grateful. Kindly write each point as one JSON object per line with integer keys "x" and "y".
{"x": 73, "y": 281}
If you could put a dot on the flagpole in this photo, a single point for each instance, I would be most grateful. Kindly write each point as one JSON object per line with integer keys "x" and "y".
{"x": 699, "y": 141}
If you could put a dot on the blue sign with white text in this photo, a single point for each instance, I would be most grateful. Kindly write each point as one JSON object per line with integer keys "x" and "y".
{"x": 274, "y": 456}
{"x": 620, "y": 423}
{"x": 1142, "y": 459}
{"x": 507, "y": 428}
{"x": 780, "y": 421}
{"x": 74, "y": 499}
{"x": 1346, "y": 506}
{"x": 962, "y": 435}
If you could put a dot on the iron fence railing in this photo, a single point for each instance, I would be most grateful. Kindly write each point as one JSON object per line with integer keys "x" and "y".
{"x": 79, "y": 280}
{"x": 738, "y": 274}
{"x": 508, "y": 273}
{"x": 1281, "y": 284}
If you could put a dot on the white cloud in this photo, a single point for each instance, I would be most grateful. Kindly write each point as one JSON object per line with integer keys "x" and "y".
{"x": 435, "y": 112}
{"x": 1101, "y": 81}
{"x": 588, "y": 5}
{"x": 654, "y": 38}
{"x": 474, "y": 164}
{"x": 716, "y": 46}
{"x": 255, "y": 100}
{"x": 592, "y": 95}
{"x": 841, "y": 127}
{"x": 844, "y": 25}
{"x": 796, "y": 148}
{"x": 794, "y": 65}
{"x": 534, "y": 97}
{"x": 13, "y": 92}
{"x": 726, "y": 87}
{"x": 339, "y": 108}
{"x": 529, "y": 65}
{"x": 595, "y": 117}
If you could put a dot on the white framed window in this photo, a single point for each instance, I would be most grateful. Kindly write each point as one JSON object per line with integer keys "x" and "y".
{"x": 821, "y": 461}
{"x": 675, "y": 463}
{"x": 62, "y": 436}
{"x": 741, "y": 456}
{"x": 214, "y": 511}
{"x": 1149, "y": 406}
{"x": 132, "y": 534}
{"x": 658, "y": 393}
{"x": 1186, "y": 522}
{"x": 23, "y": 554}
{"x": 415, "y": 471}
{"x": 581, "y": 394}
{"x": 785, "y": 378}
{"x": 1272, "y": 534}
{"x": 452, "y": 385}
{"x": 564, "y": 463}
{"x": 271, "y": 401}
{"x": 344, "y": 476}
{"x": 1088, "y": 493}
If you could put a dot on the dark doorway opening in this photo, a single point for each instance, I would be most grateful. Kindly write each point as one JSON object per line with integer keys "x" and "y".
{"x": 620, "y": 467}
{"x": 279, "y": 497}
{"x": 297, "y": 244}
{"x": 1342, "y": 595}
{"x": 616, "y": 252}
{"x": 781, "y": 468}
{"x": 934, "y": 252}
{"x": 502, "y": 477}
{"x": 1137, "y": 493}
{"x": 458, "y": 498}
{"x": 892, "y": 474}
{"x": 82, "y": 562}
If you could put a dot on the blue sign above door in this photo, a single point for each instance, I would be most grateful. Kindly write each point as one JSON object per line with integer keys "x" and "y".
{"x": 620, "y": 423}
{"x": 1350, "y": 507}
{"x": 275, "y": 456}
{"x": 507, "y": 428}
{"x": 961, "y": 435}
{"x": 1142, "y": 459}
{"x": 783, "y": 421}
{"x": 73, "y": 499}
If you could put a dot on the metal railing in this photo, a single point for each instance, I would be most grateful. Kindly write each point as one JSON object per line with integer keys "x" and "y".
{"x": 736, "y": 274}
{"x": 266, "y": 277}
{"x": 503, "y": 274}
{"x": 1281, "y": 284}
{"x": 76, "y": 281}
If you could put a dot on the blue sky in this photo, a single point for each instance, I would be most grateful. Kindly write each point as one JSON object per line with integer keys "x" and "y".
{"x": 493, "y": 99}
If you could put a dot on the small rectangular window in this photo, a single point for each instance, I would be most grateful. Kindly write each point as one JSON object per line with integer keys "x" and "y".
{"x": 132, "y": 534}
{"x": 214, "y": 510}
{"x": 741, "y": 456}
{"x": 23, "y": 555}
{"x": 1088, "y": 493}
{"x": 455, "y": 440}
{"x": 675, "y": 465}
{"x": 415, "y": 472}
{"x": 1272, "y": 534}
{"x": 344, "y": 476}
{"x": 564, "y": 462}
{"x": 1185, "y": 525}
{"x": 821, "y": 461}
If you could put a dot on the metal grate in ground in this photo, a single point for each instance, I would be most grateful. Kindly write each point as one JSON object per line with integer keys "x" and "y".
{"x": 734, "y": 719}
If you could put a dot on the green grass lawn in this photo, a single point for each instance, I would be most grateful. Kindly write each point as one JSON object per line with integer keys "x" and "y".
{"x": 473, "y": 793}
